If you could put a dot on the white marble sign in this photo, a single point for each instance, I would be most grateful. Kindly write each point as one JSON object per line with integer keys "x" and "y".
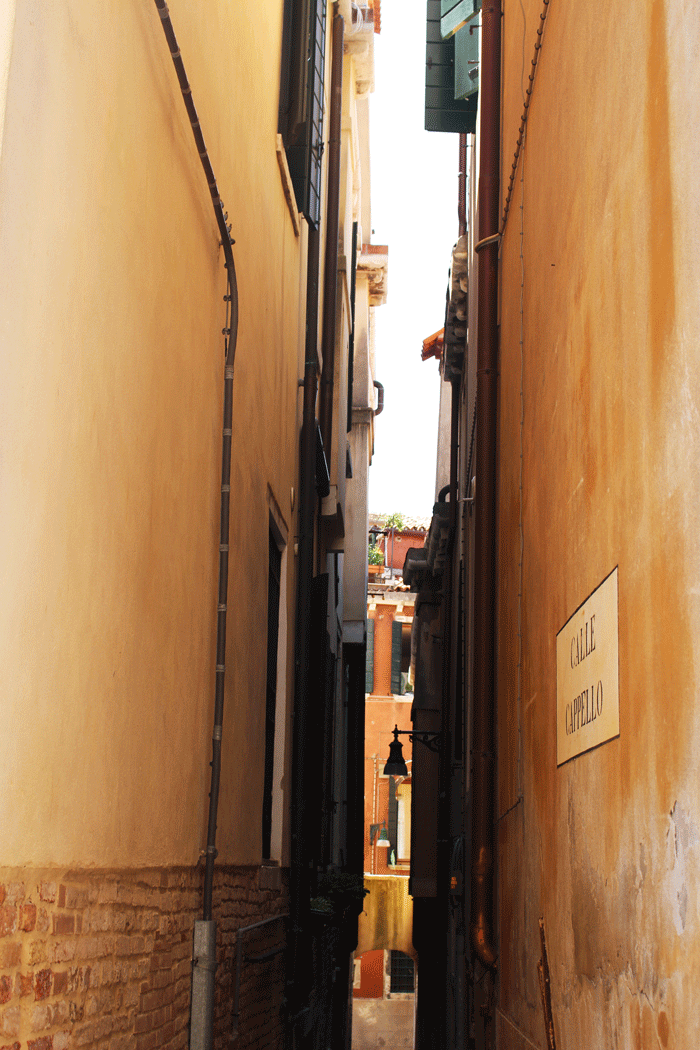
{"x": 588, "y": 694}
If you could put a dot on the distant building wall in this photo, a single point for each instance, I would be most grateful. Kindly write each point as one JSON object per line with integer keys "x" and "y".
{"x": 395, "y": 546}
{"x": 380, "y": 1016}
{"x": 384, "y": 710}
{"x": 387, "y": 917}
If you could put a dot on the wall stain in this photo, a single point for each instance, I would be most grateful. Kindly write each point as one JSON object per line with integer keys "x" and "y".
{"x": 663, "y": 1028}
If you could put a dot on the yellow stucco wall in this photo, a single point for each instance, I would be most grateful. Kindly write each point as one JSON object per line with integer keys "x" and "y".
{"x": 110, "y": 427}
{"x": 387, "y": 917}
{"x": 606, "y": 847}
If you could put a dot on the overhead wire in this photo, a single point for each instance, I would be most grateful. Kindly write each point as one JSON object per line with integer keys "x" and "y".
{"x": 527, "y": 98}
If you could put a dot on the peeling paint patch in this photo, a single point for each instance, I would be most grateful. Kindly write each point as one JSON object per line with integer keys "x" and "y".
{"x": 642, "y": 863}
{"x": 683, "y": 839}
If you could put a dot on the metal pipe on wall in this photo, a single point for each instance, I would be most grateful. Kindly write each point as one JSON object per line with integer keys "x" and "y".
{"x": 230, "y": 333}
{"x": 204, "y": 945}
{"x": 462, "y": 190}
{"x": 300, "y": 876}
{"x": 483, "y": 766}
{"x": 330, "y": 275}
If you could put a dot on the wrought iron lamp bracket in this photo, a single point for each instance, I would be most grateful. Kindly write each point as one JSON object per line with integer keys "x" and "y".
{"x": 429, "y": 738}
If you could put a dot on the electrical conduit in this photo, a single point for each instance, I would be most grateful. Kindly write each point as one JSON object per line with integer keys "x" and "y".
{"x": 204, "y": 948}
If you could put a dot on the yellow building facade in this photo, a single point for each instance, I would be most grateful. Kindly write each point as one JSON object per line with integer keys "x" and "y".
{"x": 116, "y": 318}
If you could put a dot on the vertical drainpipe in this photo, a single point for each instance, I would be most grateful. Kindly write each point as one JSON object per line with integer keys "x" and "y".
{"x": 462, "y": 210}
{"x": 447, "y": 961}
{"x": 483, "y": 765}
{"x": 457, "y": 961}
{"x": 300, "y": 876}
{"x": 330, "y": 276}
{"x": 299, "y": 972}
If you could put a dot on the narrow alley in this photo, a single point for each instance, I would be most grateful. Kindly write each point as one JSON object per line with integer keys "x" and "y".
{"x": 283, "y": 768}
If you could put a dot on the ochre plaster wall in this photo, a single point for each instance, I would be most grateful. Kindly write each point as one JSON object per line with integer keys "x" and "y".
{"x": 387, "y": 918}
{"x": 606, "y": 847}
{"x": 111, "y": 298}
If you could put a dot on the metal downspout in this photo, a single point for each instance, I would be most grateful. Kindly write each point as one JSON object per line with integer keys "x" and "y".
{"x": 300, "y": 875}
{"x": 483, "y": 765}
{"x": 448, "y": 720}
{"x": 204, "y": 945}
{"x": 299, "y": 971}
{"x": 330, "y": 273}
{"x": 462, "y": 189}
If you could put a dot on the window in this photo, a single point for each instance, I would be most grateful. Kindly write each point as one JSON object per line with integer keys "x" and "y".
{"x": 400, "y": 657}
{"x": 402, "y": 971}
{"x": 369, "y": 660}
{"x": 396, "y": 633}
{"x": 301, "y": 100}
{"x": 443, "y": 111}
{"x": 274, "y": 580}
{"x": 403, "y": 822}
{"x": 399, "y": 852}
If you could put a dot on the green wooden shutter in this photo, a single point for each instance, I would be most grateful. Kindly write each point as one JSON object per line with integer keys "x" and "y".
{"x": 369, "y": 660}
{"x": 396, "y": 631}
{"x": 455, "y": 13}
{"x": 443, "y": 112}
{"x": 467, "y": 60}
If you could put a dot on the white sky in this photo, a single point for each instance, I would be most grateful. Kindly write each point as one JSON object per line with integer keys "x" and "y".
{"x": 414, "y": 211}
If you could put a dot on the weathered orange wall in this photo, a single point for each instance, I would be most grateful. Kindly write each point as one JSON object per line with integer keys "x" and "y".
{"x": 605, "y": 848}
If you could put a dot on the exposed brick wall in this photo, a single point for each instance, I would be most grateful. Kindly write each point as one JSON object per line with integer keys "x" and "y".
{"x": 239, "y": 903}
{"x": 102, "y": 960}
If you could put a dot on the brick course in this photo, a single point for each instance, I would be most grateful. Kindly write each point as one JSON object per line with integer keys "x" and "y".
{"x": 102, "y": 960}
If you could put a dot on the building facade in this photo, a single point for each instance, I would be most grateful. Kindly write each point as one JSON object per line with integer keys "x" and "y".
{"x": 384, "y": 967}
{"x": 177, "y": 510}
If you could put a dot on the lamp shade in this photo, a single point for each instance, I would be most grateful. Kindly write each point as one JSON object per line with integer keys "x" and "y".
{"x": 395, "y": 766}
{"x": 383, "y": 839}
